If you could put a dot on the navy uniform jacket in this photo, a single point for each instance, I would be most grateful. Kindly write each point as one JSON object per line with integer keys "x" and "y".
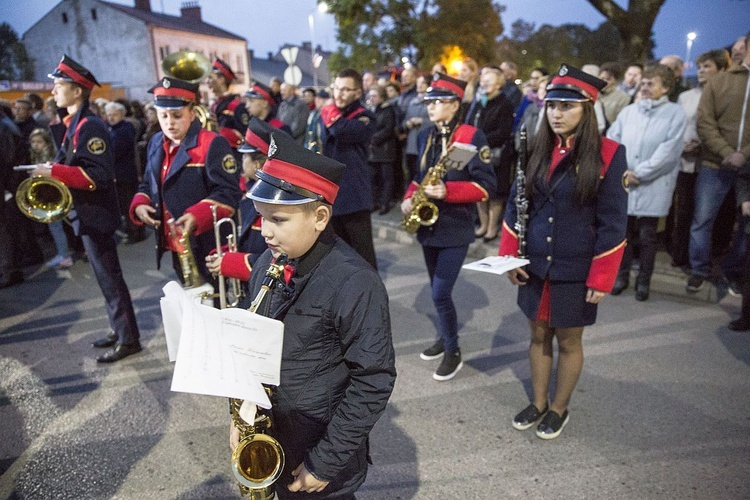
{"x": 570, "y": 242}
{"x": 455, "y": 223}
{"x": 337, "y": 363}
{"x": 346, "y": 135}
{"x": 232, "y": 118}
{"x": 85, "y": 164}
{"x": 204, "y": 172}
{"x": 123, "y": 150}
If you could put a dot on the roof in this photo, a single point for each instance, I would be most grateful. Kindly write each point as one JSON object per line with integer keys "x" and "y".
{"x": 174, "y": 22}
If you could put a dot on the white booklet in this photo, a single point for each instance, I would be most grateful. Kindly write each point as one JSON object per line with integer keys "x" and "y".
{"x": 229, "y": 352}
{"x": 459, "y": 154}
{"x": 496, "y": 265}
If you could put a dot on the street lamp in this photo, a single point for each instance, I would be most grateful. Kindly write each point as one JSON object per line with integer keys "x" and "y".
{"x": 690, "y": 37}
{"x": 322, "y": 8}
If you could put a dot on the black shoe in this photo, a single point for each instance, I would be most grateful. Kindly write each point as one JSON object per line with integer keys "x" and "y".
{"x": 740, "y": 325}
{"x": 642, "y": 292}
{"x": 694, "y": 284}
{"x": 386, "y": 208}
{"x": 734, "y": 288}
{"x": 14, "y": 278}
{"x": 118, "y": 352}
{"x": 108, "y": 341}
{"x": 528, "y": 417}
{"x": 433, "y": 352}
{"x": 487, "y": 239}
{"x": 621, "y": 284}
{"x": 552, "y": 425}
{"x": 449, "y": 366}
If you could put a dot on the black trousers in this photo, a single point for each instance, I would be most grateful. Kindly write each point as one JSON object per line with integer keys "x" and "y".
{"x": 641, "y": 232}
{"x": 683, "y": 207}
{"x": 101, "y": 250}
{"x": 356, "y": 230}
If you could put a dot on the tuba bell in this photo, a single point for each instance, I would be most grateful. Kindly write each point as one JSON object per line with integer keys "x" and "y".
{"x": 191, "y": 67}
{"x": 44, "y": 199}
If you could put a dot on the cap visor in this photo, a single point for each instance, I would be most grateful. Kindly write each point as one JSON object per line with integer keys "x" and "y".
{"x": 565, "y": 95}
{"x": 170, "y": 103}
{"x": 433, "y": 94}
{"x": 265, "y": 192}
{"x": 247, "y": 148}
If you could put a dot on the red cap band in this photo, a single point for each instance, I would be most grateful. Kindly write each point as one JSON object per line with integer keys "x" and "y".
{"x": 76, "y": 76}
{"x": 255, "y": 141}
{"x": 174, "y": 92}
{"x": 301, "y": 177}
{"x": 592, "y": 91}
{"x": 224, "y": 71}
{"x": 450, "y": 86}
{"x": 268, "y": 97}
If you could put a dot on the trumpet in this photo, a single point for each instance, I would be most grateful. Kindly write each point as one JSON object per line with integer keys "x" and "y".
{"x": 423, "y": 211}
{"x": 191, "y": 277}
{"x": 258, "y": 459}
{"x": 236, "y": 285}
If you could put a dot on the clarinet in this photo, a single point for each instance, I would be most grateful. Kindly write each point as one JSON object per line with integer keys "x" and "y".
{"x": 522, "y": 204}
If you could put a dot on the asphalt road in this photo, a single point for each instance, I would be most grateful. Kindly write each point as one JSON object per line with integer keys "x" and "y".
{"x": 662, "y": 409}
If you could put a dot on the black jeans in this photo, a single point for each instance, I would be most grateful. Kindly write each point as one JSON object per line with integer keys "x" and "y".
{"x": 641, "y": 232}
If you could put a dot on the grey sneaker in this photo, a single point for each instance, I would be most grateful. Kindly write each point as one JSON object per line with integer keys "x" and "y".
{"x": 449, "y": 366}
{"x": 433, "y": 352}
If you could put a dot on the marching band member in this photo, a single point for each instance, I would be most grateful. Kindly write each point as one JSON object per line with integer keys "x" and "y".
{"x": 188, "y": 170}
{"x": 445, "y": 243}
{"x": 575, "y": 239}
{"x": 250, "y": 242}
{"x": 228, "y": 109}
{"x": 85, "y": 164}
{"x": 260, "y": 103}
{"x": 337, "y": 361}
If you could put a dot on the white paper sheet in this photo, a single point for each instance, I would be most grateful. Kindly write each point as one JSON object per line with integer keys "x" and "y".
{"x": 229, "y": 352}
{"x": 496, "y": 265}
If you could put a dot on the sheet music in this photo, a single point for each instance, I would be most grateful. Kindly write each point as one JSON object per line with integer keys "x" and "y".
{"x": 496, "y": 265}
{"x": 229, "y": 352}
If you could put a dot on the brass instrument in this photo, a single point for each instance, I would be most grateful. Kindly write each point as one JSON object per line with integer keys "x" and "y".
{"x": 258, "y": 459}
{"x": 191, "y": 67}
{"x": 193, "y": 282}
{"x": 44, "y": 199}
{"x": 423, "y": 211}
{"x": 236, "y": 285}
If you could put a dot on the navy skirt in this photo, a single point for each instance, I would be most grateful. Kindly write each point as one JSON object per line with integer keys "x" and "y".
{"x": 568, "y": 306}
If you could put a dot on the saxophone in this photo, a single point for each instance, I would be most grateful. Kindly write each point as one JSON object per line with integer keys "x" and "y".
{"x": 423, "y": 211}
{"x": 522, "y": 203}
{"x": 258, "y": 459}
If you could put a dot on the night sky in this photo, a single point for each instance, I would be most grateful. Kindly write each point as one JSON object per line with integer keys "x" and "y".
{"x": 267, "y": 24}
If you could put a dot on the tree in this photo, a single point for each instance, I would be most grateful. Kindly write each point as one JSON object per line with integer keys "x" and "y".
{"x": 14, "y": 62}
{"x": 634, "y": 24}
{"x": 377, "y": 33}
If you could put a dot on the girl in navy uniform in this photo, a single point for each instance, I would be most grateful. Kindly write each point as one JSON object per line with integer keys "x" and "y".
{"x": 445, "y": 243}
{"x": 575, "y": 239}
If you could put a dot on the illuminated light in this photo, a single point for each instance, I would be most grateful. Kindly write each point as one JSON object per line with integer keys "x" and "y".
{"x": 322, "y": 7}
{"x": 692, "y": 35}
{"x": 452, "y": 58}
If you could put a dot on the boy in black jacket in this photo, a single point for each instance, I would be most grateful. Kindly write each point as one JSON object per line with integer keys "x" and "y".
{"x": 337, "y": 367}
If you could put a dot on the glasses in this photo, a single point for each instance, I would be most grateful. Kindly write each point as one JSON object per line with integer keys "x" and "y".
{"x": 344, "y": 90}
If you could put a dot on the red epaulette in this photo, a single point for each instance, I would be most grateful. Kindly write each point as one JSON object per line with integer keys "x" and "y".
{"x": 355, "y": 113}
{"x": 464, "y": 133}
{"x": 609, "y": 147}
{"x": 276, "y": 123}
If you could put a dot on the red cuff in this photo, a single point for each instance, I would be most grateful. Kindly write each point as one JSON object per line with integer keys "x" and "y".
{"x": 508, "y": 241}
{"x": 330, "y": 114}
{"x": 604, "y": 269}
{"x": 73, "y": 177}
{"x": 410, "y": 190}
{"x": 464, "y": 192}
{"x": 138, "y": 200}
{"x": 236, "y": 265}
{"x": 233, "y": 136}
{"x": 204, "y": 218}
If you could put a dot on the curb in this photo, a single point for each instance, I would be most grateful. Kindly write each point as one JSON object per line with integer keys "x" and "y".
{"x": 666, "y": 279}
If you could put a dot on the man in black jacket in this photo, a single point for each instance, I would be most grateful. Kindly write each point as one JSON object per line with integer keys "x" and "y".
{"x": 337, "y": 365}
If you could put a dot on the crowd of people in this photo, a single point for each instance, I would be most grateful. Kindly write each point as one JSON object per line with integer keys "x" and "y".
{"x": 622, "y": 159}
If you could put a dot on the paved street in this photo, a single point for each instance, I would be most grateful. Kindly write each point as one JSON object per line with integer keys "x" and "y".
{"x": 662, "y": 409}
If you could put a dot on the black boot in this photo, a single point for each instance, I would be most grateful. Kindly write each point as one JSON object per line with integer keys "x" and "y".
{"x": 642, "y": 288}
{"x": 622, "y": 282}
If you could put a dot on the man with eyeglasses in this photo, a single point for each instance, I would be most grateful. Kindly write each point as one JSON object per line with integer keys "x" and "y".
{"x": 345, "y": 135}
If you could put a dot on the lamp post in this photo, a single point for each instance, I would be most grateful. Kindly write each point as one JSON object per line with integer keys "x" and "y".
{"x": 690, "y": 37}
{"x": 322, "y": 8}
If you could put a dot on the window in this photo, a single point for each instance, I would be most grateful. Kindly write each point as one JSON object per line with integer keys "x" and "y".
{"x": 65, "y": 17}
{"x": 93, "y": 14}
